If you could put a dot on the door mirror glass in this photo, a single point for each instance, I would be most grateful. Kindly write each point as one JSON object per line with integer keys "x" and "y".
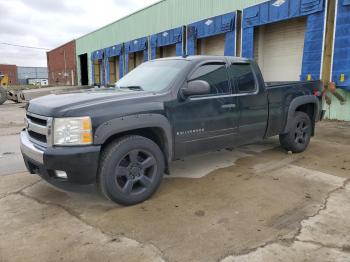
{"x": 196, "y": 88}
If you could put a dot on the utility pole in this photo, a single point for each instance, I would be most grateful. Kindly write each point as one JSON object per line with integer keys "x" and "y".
{"x": 65, "y": 66}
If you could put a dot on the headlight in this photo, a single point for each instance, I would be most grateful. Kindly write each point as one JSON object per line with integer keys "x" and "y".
{"x": 72, "y": 131}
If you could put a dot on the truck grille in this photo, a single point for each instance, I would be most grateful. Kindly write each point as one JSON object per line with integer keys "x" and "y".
{"x": 39, "y": 129}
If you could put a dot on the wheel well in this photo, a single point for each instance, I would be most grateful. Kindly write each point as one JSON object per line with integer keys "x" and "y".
{"x": 309, "y": 109}
{"x": 155, "y": 134}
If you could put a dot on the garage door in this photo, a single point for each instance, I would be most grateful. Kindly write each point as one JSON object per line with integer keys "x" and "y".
{"x": 166, "y": 51}
{"x": 113, "y": 70}
{"x": 278, "y": 49}
{"x": 97, "y": 72}
{"x": 135, "y": 59}
{"x": 214, "y": 45}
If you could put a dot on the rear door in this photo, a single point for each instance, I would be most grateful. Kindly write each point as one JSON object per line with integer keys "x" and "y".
{"x": 252, "y": 102}
{"x": 205, "y": 123}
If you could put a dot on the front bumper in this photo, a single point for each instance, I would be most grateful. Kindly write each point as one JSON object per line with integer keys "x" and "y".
{"x": 79, "y": 163}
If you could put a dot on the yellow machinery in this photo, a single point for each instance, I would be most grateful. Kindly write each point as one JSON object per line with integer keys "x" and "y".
{"x": 4, "y": 82}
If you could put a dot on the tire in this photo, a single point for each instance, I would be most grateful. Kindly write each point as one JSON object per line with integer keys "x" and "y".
{"x": 298, "y": 138}
{"x": 3, "y": 95}
{"x": 131, "y": 169}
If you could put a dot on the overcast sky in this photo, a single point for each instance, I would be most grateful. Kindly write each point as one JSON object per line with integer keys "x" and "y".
{"x": 50, "y": 23}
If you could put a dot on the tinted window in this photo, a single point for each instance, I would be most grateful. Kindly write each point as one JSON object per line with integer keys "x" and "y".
{"x": 242, "y": 77}
{"x": 215, "y": 75}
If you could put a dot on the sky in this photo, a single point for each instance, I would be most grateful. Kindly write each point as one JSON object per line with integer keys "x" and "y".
{"x": 51, "y": 23}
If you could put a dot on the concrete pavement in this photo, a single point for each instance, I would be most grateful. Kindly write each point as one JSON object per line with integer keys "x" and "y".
{"x": 256, "y": 203}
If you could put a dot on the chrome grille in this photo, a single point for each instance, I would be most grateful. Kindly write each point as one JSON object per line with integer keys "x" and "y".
{"x": 39, "y": 129}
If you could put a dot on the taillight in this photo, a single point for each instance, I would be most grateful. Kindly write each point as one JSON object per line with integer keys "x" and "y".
{"x": 317, "y": 93}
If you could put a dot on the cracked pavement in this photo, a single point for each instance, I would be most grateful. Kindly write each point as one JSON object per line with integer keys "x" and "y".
{"x": 255, "y": 203}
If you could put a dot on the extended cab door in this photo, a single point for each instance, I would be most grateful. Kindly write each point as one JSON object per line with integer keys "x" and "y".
{"x": 207, "y": 122}
{"x": 252, "y": 101}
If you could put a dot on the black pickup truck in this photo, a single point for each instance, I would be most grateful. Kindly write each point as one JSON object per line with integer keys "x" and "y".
{"x": 124, "y": 138}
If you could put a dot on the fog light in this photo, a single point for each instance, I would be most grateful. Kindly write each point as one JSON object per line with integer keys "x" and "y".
{"x": 61, "y": 174}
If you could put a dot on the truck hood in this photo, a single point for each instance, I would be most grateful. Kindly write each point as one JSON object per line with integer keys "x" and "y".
{"x": 58, "y": 105}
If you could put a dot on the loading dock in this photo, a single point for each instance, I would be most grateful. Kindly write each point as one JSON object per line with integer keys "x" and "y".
{"x": 136, "y": 52}
{"x": 84, "y": 72}
{"x": 213, "y": 36}
{"x": 286, "y": 38}
{"x": 167, "y": 44}
{"x": 114, "y": 63}
{"x": 280, "y": 44}
{"x": 341, "y": 55}
{"x": 98, "y": 67}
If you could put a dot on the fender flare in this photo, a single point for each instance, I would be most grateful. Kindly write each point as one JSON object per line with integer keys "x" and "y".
{"x": 299, "y": 101}
{"x": 133, "y": 122}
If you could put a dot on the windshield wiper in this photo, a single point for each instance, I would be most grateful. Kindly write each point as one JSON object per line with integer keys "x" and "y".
{"x": 139, "y": 88}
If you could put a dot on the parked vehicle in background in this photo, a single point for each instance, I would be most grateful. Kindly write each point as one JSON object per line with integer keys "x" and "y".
{"x": 124, "y": 138}
{"x": 38, "y": 81}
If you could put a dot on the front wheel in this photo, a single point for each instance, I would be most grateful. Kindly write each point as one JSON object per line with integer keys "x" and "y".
{"x": 131, "y": 169}
{"x": 299, "y": 135}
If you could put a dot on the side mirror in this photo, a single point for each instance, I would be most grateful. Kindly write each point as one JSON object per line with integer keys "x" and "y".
{"x": 196, "y": 88}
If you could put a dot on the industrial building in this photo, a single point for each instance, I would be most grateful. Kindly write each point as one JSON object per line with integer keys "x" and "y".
{"x": 10, "y": 71}
{"x": 290, "y": 39}
{"x": 27, "y": 75}
{"x": 21, "y": 75}
{"x": 61, "y": 63}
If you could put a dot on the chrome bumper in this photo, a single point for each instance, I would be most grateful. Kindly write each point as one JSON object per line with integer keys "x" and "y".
{"x": 29, "y": 150}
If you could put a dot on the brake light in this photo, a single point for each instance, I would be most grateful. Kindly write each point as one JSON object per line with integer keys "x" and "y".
{"x": 317, "y": 93}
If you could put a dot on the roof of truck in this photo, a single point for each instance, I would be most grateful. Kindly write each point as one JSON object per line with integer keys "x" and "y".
{"x": 203, "y": 58}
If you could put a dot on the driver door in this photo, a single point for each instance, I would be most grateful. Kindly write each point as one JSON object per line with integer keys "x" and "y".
{"x": 206, "y": 122}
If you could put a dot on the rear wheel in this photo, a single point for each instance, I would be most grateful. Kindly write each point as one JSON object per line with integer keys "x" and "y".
{"x": 131, "y": 170}
{"x": 299, "y": 135}
{"x": 3, "y": 95}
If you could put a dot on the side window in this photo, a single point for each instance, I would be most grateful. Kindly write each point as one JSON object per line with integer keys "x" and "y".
{"x": 216, "y": 75}
{"x": 242, "y": 78}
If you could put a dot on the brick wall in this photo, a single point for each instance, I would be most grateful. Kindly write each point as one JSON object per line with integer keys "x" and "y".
{"x": 62, "y": 65}
{"x": 11, "y": 71}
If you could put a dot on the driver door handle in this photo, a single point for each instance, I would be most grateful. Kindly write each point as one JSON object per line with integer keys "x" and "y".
{"x": 228, "y": 106}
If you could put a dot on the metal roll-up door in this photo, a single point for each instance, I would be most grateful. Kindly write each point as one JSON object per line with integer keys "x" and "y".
{"x": 166, "y": 51}
{"x": 113, "y": 69}
{"x": 278, "y": 49}
{"x": 139, "y": 58}
{"x": 214, "y": 45}
{"x": 97, "y": 72}
{"x": 135, "y": 59}
{"x": 117, "y": 69}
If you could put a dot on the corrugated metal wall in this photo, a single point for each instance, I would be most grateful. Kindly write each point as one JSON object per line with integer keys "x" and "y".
{"x": 161, "y": 16}
{"x": 337, "y": 110}
{"x": 25, "y": 73}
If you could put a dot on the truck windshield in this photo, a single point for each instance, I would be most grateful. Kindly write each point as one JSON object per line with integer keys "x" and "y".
{"x": 153, "y": 76}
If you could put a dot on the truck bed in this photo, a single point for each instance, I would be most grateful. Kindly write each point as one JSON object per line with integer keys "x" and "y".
{"x": 276, "y": 84}
{"x": 279, "y": 96}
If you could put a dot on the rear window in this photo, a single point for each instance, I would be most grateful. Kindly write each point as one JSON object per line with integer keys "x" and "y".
{"x": 242, "y": 78}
